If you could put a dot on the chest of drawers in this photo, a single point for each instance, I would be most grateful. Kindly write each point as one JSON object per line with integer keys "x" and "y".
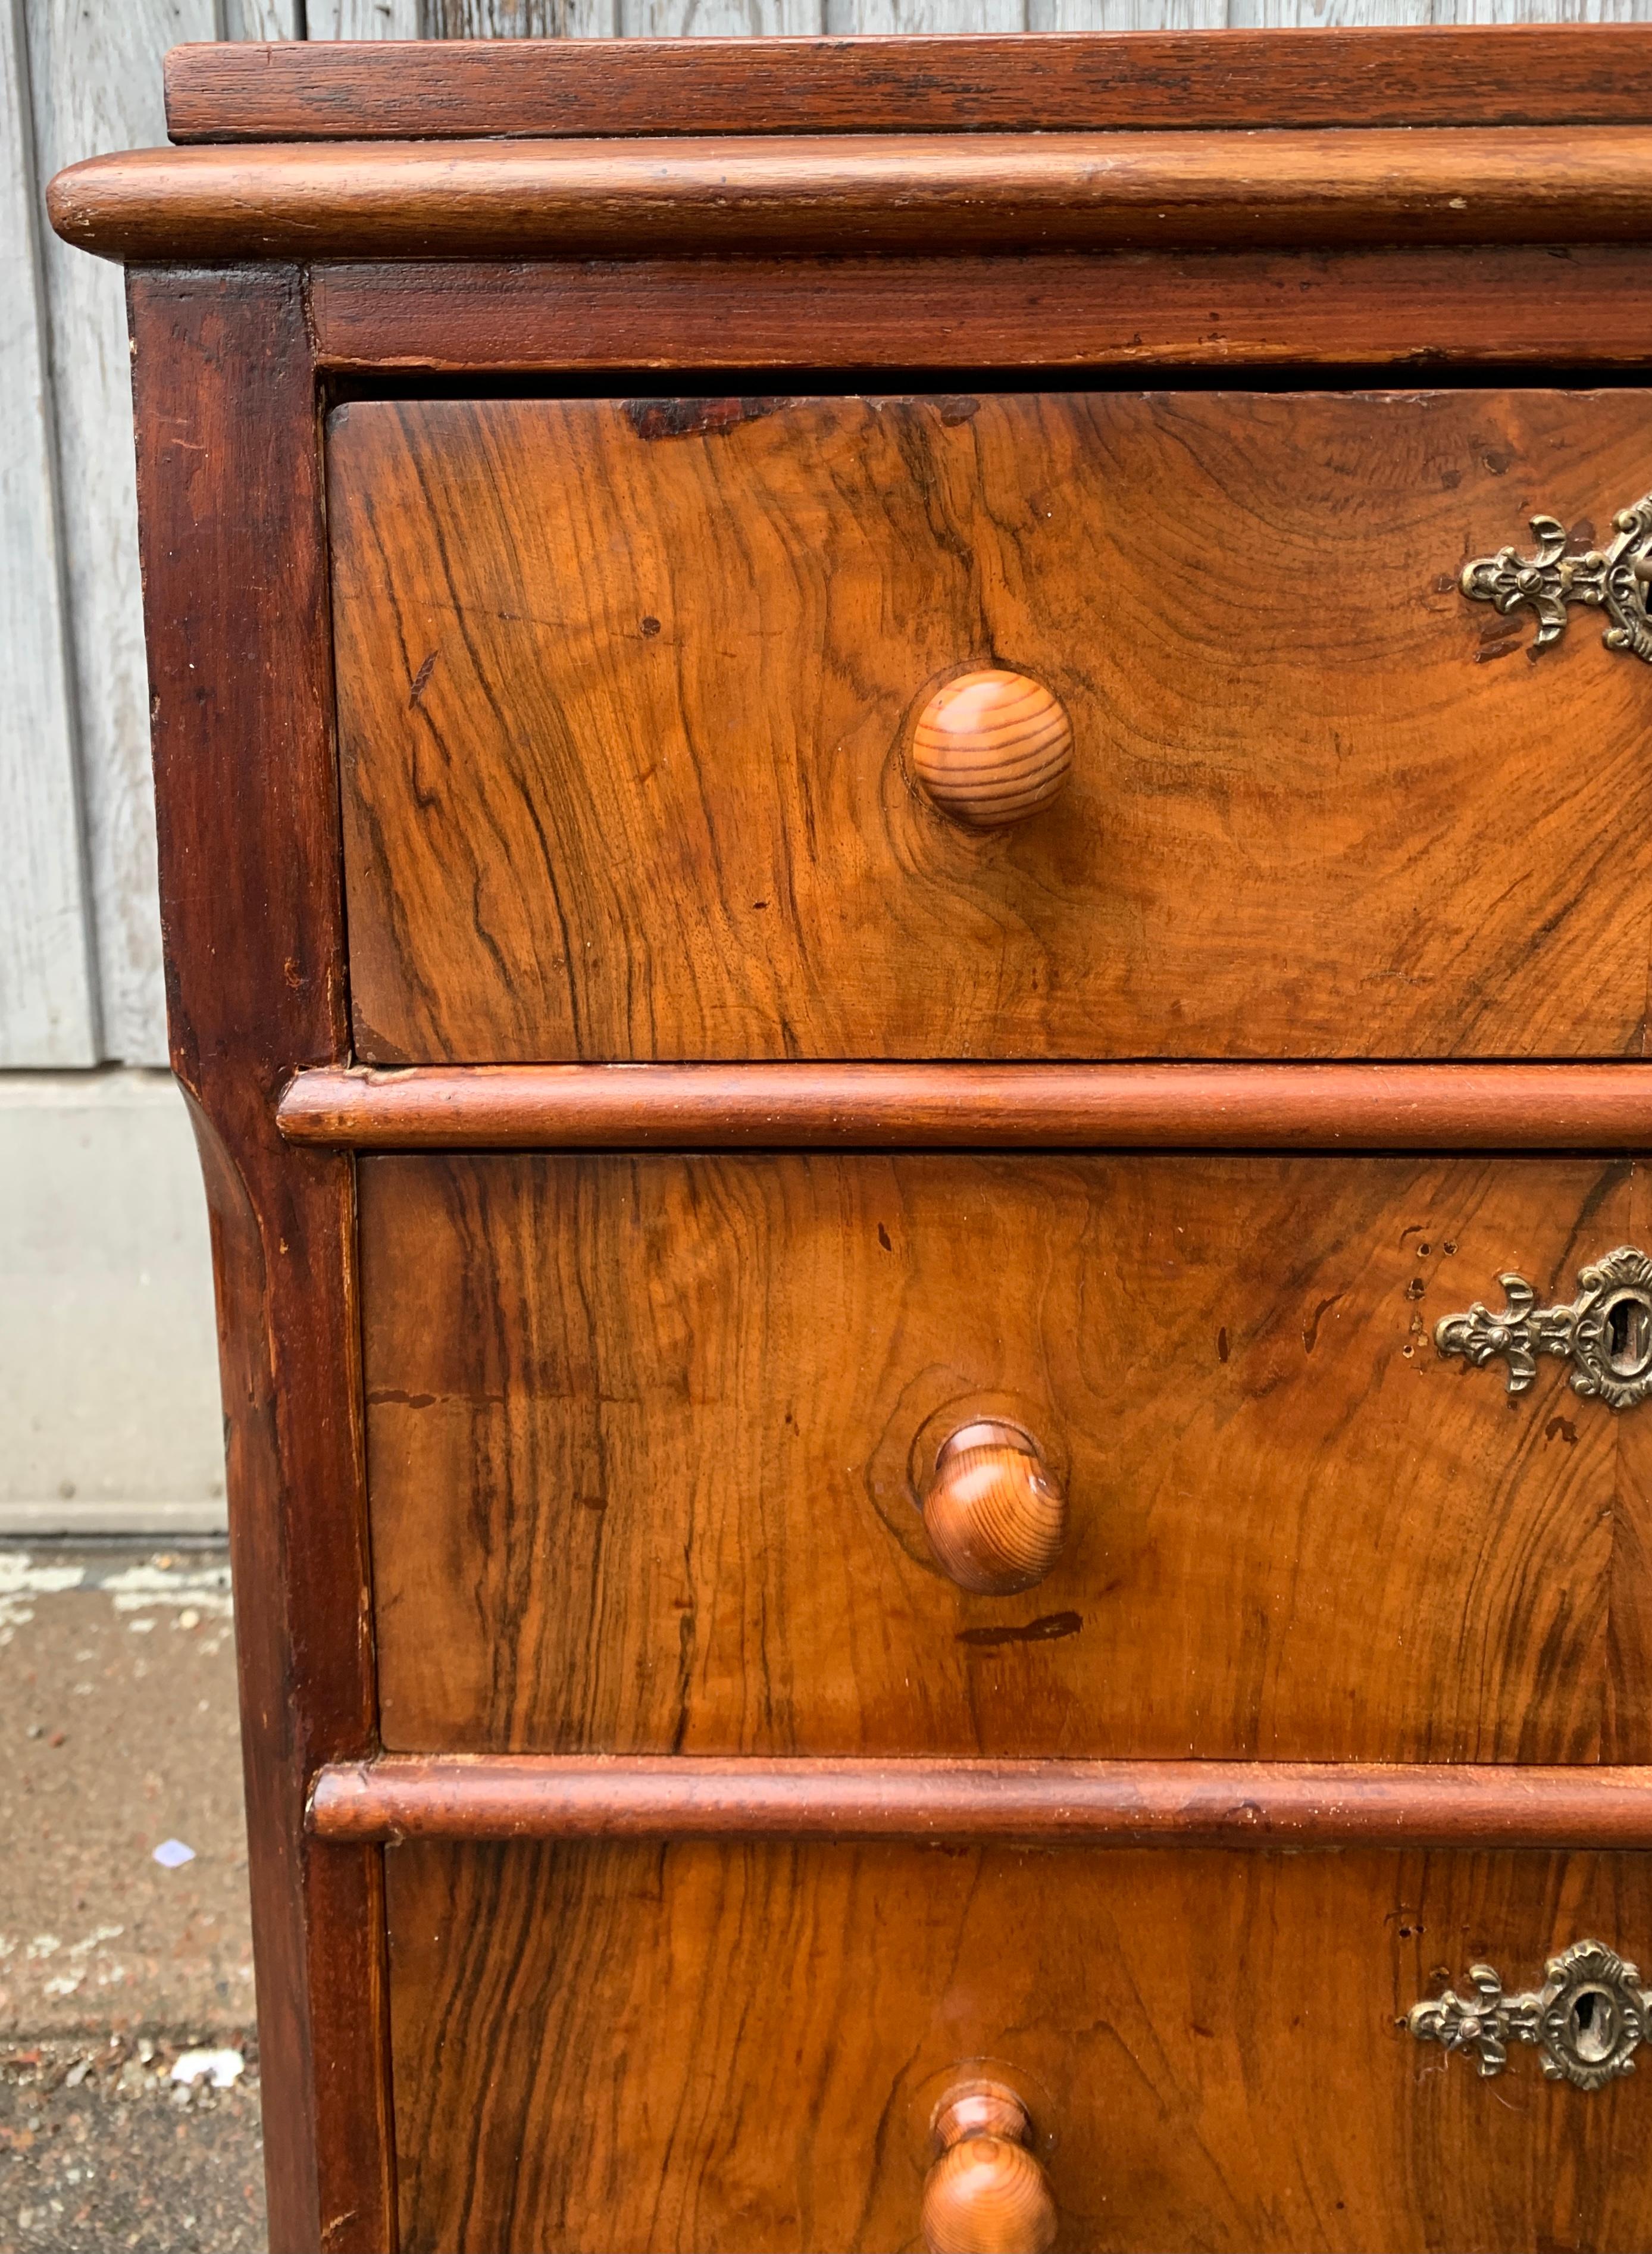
{"x": 910, "y": 926}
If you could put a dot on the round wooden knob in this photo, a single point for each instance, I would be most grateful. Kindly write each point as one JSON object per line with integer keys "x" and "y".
{"x": 995, "y": 1518}
{"x": 987, "y": 2193}
{"x": 990, "y": 749}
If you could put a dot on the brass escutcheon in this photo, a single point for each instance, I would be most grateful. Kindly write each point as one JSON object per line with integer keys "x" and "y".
{"x": 1606, "y": 1331}
{"x": 1613, "y": 580}
{"x": 1588, "y": 2019}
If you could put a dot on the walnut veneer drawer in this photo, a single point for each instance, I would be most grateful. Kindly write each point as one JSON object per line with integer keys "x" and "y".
{"x": 646, "y": 1436}
{"x": 740, "y": 2046}
{"x": 626, "y": 693}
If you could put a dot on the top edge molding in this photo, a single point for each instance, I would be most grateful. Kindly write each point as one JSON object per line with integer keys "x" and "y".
{"x": 821, "y": 194}
{"x": 328, "y": 90}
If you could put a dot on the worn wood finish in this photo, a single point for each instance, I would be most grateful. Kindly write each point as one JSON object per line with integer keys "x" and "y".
{"x": 772, "y": 2026}
{"x": 94, "y": 86}
{"x": 229, "y": 478}
{"x": 96, "y": 74}
{"x": 662, "y": 658}
{"x": 1430, "y": 309}
{"x": 1391, "y": 76}
{"x": 629, "y": 688}
{"x": 854, "y": 192}
{"x": 1126, "y": 1803}
{"x": 645, "y": 1436}
{"x": 261, "y": 19}
{"x": 1363, "y": 1107}
{"x": 48, "y": 1000}
{"x": 522, "y": 20}
{"x": 352, "y": 20}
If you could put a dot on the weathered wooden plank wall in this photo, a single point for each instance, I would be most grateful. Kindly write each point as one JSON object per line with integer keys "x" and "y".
{"x": 79, "y": 958}
{"x": 93, "y": 80}
{"x": 47, "y": 1006}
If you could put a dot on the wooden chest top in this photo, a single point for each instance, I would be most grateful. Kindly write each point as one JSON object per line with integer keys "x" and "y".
{"x": 908, "y": 919}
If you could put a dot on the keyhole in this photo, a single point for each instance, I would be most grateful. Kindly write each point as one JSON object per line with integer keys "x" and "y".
{"x": 1593, "y": 2025}
{"x": 1629, "y": 1335}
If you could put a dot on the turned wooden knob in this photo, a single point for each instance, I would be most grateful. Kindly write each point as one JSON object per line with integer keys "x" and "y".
{"x": 987, "y": 2193}
{"x": 995, "y": 1518}
{"x": 991, "y": 748}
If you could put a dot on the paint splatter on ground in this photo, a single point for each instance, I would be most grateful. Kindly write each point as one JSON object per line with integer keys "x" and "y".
{"x": 118, "y": 1724}
{"x": 100, "y": 2150}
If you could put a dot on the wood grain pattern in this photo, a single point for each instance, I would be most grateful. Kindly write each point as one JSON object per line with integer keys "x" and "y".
{"x": 516, "y": 19}
{"x": 1179, "y": 1804}
{"x": 48, "y": 1000}
{"x": 643, "y": 1431}
{"x": 234, "y": 561}
{"x": 854, "y": 193}
{"x": 1562, "y": 74}
{"x": 94, "y": 85}
{"x": 1209, "y": 2043}
{"x": 1183, "y": 16}
{"x": 1239, "y": 1107}
{"x": 987, "y": 2193}
{"x": 1430, "y": 310}
{"x": 928, "y": 19}
{"x": 624, "y": 694}
{"x": 722, "y": 19}
{"x": 641, "y": 1436}
{"x": 353, "y": 20}
{"x": 261, "y": 19}
{"x": 996, "y": 1518}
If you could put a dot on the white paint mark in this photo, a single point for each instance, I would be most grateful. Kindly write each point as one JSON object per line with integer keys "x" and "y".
{"x": 140, "y": 1588}
{"x": 99, "y": 1933}
{"x": 223, "y": 2069}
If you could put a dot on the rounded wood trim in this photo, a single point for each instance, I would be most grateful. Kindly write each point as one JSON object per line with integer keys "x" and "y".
{"x": 950, "y": 192}
{"x": 1079, "y": 1803}
{"x": 1218, "y": 1107}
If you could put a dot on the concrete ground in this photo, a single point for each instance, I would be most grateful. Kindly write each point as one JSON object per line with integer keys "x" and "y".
{"x": 117, "y": 1716}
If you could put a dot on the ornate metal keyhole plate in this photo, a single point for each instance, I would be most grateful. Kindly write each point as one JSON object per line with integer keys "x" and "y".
{"x": 1607, "y": 1331}
{"x": 1588, "y": 2019}
{"x": 1613, "y": 580}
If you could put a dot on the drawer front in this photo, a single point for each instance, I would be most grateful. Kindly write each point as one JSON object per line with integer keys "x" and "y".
{"x": 646, "y": 1436}
{"x": 628, "y": 696}
{"x": 649, "y": 2047}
